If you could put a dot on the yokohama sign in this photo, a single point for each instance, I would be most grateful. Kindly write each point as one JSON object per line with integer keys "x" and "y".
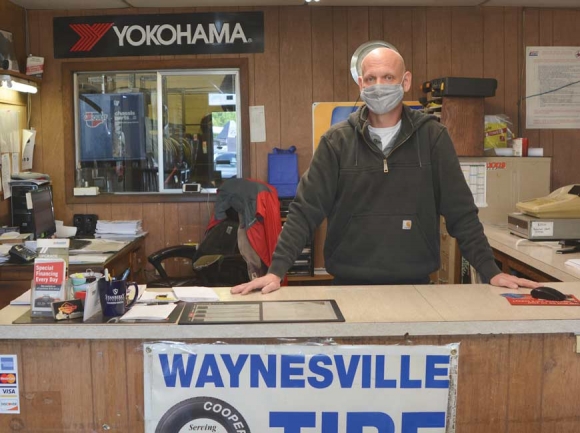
{"x": 155, "y": 35}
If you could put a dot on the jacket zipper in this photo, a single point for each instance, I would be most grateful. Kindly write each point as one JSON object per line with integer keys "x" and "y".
{"x": 385, "y": 164}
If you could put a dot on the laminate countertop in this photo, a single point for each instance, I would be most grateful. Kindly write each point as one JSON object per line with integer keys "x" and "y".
{"x": 539, "y": 255}
{"x": 368, "y": 311}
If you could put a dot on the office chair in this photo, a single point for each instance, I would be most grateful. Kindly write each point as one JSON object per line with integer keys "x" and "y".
{"x": 239, "y": 240}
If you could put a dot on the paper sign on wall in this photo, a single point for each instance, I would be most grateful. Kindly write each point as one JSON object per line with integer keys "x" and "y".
{"x": 28, "y": 141}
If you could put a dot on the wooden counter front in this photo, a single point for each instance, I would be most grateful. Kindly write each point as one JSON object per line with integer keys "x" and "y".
{"x": 518, "y": 366}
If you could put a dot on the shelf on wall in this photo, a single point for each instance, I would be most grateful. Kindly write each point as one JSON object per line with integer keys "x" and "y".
{"x": 20, "y": 75}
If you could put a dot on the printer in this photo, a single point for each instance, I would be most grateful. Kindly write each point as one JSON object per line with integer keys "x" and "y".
{"x": 555, "y": 217}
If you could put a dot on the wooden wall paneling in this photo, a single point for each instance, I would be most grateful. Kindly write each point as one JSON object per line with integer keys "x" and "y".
{"x": 494, "y": 56}
{"x": 49, "y": 152}
{"x": 482, "y": 405}
{"x": 342, "y": 77}
{"x": 419, "y": 57}
{"x": 524, "y": 405}
{"x": 110, "y": 402}
{"x": 358, "y": 33}
{"x": 103, "y": 211}
{"x": 127, "y": 211}
{"x": 531, "y": 37}
{"x": 135, "y": 385}
{"x": 398, "y": 25}
{"x": 467, "y": 42}
{"x": 267, "y": 92}
{"x": 296, "y": 82}
{"x": 561, "y": 390}
{"x": 155, "y": 226}
{"x": 322, "y": 55}
{"x": 376, "y": 32}
{"x": 513, "y": 90}
{"x": 566, "y": 146}
{"x": 546, "y": 140}
{"x": 439, "y": 42}
{"x": 171, "y": 233}
{"x": 565, "y": 158}
{"x": 192, "y": 224}
{"x": 45, "y": 367}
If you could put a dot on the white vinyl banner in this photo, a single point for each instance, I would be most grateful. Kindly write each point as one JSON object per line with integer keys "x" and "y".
{"x": 299, "y": 388}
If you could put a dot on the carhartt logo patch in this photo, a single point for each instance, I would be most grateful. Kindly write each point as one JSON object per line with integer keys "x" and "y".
{"x": 407, "y": 224}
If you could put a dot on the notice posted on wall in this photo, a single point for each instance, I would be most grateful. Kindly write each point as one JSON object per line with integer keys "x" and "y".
{"x": 9, "y": 395}
{"x": 476, "y": 177}
{"x": 552, "y": 87}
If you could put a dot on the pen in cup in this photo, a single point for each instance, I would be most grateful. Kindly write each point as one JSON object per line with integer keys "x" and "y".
{"x": 125, "y": 274}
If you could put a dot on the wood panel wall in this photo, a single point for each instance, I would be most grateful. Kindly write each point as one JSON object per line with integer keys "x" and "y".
{"x": 306, "y": 59}
{"x": 13, "y": 20}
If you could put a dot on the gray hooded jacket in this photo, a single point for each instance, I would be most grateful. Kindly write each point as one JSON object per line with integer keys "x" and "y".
{"x": 383, "y": 210}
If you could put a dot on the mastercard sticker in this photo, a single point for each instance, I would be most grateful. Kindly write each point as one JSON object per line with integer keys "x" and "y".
{"x": 9, "y": 395}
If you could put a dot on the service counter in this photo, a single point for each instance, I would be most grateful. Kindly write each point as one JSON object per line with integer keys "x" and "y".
{"x": 536, "y": 260}
{"x": 518, "y": 366}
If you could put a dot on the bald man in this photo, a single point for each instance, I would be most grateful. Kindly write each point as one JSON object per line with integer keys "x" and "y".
{"x": 382, "y": 178}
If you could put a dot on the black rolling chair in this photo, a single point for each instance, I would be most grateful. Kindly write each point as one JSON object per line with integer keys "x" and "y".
{"x": 216, "y": 262}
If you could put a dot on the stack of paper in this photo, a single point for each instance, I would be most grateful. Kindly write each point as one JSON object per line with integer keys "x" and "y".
{"x": 149, "y": 312}
{"x": 574, "y": 263}
{"x": 119, "y": 228}
{"x": 196, "y": 294}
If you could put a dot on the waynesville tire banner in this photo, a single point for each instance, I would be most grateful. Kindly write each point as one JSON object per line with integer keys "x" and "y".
{"x": 299, "y": 388}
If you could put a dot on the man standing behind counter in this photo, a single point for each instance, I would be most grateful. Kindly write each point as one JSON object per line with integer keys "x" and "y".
{"x": 382, "y": 178}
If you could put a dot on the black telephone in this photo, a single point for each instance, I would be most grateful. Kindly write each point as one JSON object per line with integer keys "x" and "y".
{"x": 22, "y": 254}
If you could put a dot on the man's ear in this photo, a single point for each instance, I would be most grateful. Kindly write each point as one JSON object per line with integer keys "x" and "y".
{"x": 360, "y": 83}
{"x": 407, "y": 81}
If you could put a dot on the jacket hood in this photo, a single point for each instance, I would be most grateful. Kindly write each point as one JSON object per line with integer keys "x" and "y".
{"x": 412, "y": 119}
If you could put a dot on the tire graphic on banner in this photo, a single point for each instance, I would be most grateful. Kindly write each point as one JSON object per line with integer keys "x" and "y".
{"x": 202, "y": 414}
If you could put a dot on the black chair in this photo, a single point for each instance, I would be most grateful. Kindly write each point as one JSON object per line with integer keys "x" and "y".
{"x": 216, "y": 262}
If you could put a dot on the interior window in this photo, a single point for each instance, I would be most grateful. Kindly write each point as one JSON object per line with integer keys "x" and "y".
{"x": 154, "y": 131}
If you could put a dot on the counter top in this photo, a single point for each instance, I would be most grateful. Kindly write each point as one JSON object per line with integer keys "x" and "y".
{"x": 368, "y": 311}
{"x": 539, "y": 255}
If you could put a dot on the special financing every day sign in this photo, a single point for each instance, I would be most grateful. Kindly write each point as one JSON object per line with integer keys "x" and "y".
{"x": 299, "y": 389}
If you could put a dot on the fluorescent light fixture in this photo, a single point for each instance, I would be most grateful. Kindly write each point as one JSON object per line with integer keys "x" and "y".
{"x": 12, "y": 83}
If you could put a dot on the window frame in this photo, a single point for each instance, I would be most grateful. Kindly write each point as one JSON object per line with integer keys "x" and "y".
{"x": 68, "y": 92}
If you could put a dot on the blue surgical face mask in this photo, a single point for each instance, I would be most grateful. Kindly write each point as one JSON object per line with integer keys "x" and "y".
{"x": 382, "y": 98}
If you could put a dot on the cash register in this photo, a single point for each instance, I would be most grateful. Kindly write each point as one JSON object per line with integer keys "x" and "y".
{"x": 555, "y": 217}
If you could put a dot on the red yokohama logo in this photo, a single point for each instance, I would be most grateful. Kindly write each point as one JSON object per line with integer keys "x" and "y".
{"x": 90, "y": 34}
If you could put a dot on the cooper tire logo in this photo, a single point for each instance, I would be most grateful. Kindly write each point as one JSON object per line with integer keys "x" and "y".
{"x": 193, "y": 411}
{"x": 90, "y": 34}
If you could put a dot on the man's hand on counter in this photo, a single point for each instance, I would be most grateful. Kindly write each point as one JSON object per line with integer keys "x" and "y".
{"x": 268, "y": 283}
{"x": 512, "y": 282}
